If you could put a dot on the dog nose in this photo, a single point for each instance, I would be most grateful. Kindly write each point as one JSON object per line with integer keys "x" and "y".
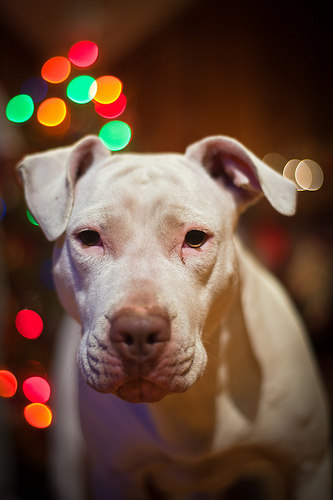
{"x": 140, "y": 334}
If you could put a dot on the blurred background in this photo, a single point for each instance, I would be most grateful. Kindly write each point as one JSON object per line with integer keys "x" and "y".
{"x": 258, "y": 71}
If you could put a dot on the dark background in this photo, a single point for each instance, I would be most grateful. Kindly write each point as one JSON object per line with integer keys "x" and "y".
{"x": 258, "y": 71}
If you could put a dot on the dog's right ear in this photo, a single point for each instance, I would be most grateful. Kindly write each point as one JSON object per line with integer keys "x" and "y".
{"x": 49, "y": 179}
{"x": 242, "y": 173}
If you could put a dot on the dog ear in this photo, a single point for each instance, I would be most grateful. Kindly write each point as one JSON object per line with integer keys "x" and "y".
{"x": 229, "y": 162}
{"x": 49, "y": 178}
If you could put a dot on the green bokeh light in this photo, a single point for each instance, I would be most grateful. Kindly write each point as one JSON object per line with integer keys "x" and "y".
{"x": 115, "y": 135}
{"x": 31, "y": 219}
{"x": 20, "y": 108}
{"x": 82, "y": 89}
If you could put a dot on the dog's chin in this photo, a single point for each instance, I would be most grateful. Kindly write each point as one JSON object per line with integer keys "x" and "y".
{"x": 140, "y": 390}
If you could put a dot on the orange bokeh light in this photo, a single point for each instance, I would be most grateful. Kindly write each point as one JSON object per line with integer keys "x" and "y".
{"x": 8, "y": 384}
{"x": 38, "y": 415}
{"x": 52, "y": 112}
{"x": 56, "y": 69}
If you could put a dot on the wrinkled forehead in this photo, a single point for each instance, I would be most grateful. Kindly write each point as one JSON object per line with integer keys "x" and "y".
{"x": 135, "y": 183}
{"x": 165, "y": 171}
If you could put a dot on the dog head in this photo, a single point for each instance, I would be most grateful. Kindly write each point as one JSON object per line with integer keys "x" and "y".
{"x": 144, "y": 256}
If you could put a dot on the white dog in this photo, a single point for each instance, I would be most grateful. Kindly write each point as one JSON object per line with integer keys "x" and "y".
{"x": 197, "y": 370}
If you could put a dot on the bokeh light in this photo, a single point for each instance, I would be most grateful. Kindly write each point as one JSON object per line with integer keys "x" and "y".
{"x": 289, "y": 172}
{"x": 115, "y": 135}
{"x": 32, "y": 368}
{"x": 82, "y": 89}
{"x": 306, "y": 174}
{"x": 38, "y": 415}
{"x": 36, "y": 87}
{"x": 303, "y": 175}
{"x": 36, "y": 389}
{"x": 83, "y": 54}
{"x": 56, "y": 69}
{"x": 272, "y": 243}
{"x": 29, "y": 324}
{"x": 2, "y": 209}
{"x": 275, "y": 160}
{"x": 20, "y": 108}
{"x": 55, "y": 114}
{"x": 108, "y": 89}
{"x": 31, "y": 219}
{"x": 51, "y": 112}
{"x": 46, "y": 275}
{"x": 8, "y": 384}
{"x": 112, "y": 110}
{"x": 309, "y": 175}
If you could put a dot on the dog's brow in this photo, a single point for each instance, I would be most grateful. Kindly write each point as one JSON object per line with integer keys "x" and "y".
{"x": 179, "y": 216}
{"x": 97, "y": 217}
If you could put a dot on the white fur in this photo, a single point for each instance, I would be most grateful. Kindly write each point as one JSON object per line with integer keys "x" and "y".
{"x": 233, "y": 388}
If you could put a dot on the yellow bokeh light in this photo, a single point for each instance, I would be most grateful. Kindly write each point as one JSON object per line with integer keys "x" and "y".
{"x": 108, "y": 89}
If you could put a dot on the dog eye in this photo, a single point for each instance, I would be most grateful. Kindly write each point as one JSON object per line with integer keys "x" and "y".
{"x": 89, "y": 237}
{"x": 195, "y": 238}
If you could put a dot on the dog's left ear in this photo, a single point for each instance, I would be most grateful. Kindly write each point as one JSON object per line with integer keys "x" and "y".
{"x": 49, "y": 179}
{"x": 243, "y": 173}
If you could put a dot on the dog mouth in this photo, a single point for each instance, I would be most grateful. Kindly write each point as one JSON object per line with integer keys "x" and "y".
{"x": 144, "y": 378}
{"x": 140, "y": 390}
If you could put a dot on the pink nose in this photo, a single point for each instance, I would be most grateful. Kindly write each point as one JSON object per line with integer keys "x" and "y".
{"x": 140, "y": 334}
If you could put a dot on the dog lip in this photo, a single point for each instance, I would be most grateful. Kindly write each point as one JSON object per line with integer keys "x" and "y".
{"x": 140, "y": 390}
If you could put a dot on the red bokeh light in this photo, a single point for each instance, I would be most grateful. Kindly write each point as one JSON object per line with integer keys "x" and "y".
{"x": 112, "y": 110}
{"x": 29, "y": 324}
{"x": 83, "y": 54}
{"x": 36, "y": 389}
